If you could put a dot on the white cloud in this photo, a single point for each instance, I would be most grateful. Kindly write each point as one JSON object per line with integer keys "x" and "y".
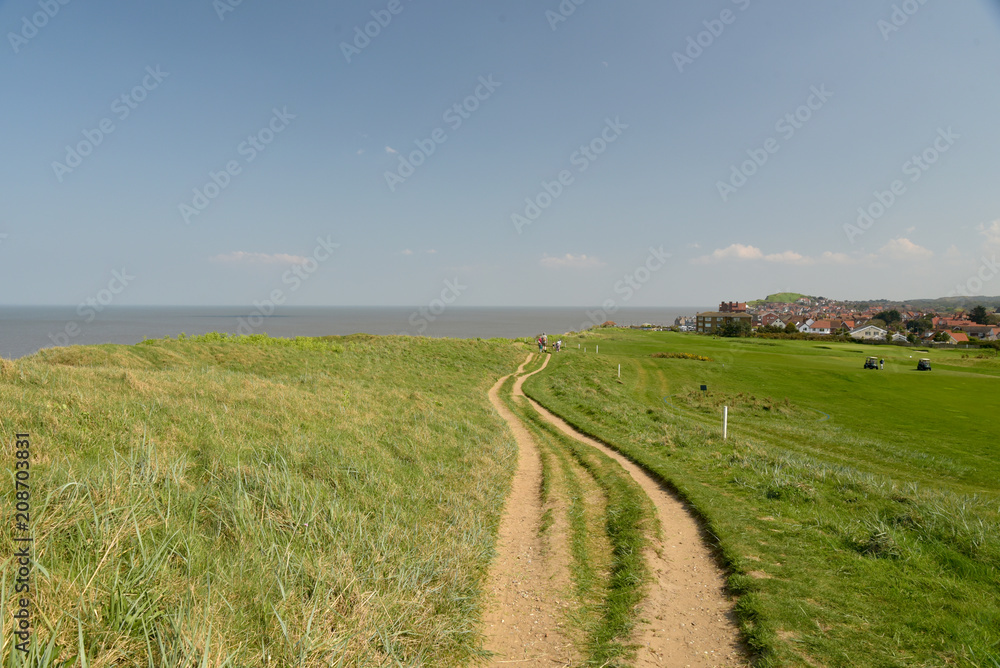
{"x": 734, "y": 251}
{"x": 788, "y": 257}
{"x": 746, "y": 252}
{"x": 570, "y": 261}
{"x": 830, "y": 257}
{"x": 898, "y": 249}
{"x": 992, "y": 234}
{"x": 431, "y": 252}
{"x": 243, "y": 257}
{"x": 360, "y": 151}
{"x": 901, "y": 249}
{"x": 904, "y": 249}
{"x": 406, "y": 252}
{"x": 390, "y": 150}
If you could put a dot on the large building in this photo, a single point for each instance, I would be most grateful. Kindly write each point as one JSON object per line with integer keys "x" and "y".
{"x": 711, "y": 321}
{"x": 733, "y": 307}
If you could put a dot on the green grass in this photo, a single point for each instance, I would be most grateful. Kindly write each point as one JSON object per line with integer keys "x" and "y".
{"x": 857, "y": 511}
{"x": 782, "y": 297}
{"x": 216, "y": 501}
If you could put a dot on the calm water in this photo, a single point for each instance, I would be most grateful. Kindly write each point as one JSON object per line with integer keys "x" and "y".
{"x": 24, "y": 329}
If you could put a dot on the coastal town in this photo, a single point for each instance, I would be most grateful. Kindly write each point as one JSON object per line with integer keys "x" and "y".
{"x": 827, "y": 317}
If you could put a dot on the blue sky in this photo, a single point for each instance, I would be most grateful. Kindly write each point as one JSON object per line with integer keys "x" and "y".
{"x": 642, "y": 109}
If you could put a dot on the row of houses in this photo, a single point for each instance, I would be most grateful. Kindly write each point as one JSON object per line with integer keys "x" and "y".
{"x": 955, "y": 329}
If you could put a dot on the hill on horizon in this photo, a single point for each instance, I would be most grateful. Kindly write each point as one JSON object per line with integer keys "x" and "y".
{"x": 924, "y": 304}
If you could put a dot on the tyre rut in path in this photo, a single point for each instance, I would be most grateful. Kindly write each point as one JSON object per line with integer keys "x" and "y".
{"x": 524, "y": 617}
{"x": 686, "y": 618}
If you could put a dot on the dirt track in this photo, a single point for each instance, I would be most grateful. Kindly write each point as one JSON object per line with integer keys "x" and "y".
{"x": 686, "y": 619}
{"x": 524, "y": 621}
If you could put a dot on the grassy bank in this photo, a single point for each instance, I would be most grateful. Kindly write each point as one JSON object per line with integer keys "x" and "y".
{"x": 858, "y": 511}
{"x": 259, "y": 501}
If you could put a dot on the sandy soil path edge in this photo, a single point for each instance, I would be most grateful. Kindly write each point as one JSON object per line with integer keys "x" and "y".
{"x": 523, "y": 619}
{"x": 687, "y": 618}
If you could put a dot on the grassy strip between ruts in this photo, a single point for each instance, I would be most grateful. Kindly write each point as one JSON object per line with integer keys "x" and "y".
{"x": 610, "y": 595}
{"x": 834, "y": 564}
{"x": 254, "y": 501}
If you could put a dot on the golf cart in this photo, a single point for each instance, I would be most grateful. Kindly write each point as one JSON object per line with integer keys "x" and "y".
{"x": 924, "y": 364}
{"x": 871, "y": 363}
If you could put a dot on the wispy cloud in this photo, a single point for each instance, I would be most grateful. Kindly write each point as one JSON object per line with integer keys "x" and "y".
{"x": 570, "y": 261}
{"x": 992, "y": 234}
{"x": 390, "y": 150}
{"x": 901, "y": 249}
{"x": 746, "y": 252}
{"x": 829, "y": 257}
{"x": 788, "y": 257}
{"x": 731, "y": 252}
{"x": 243, "y": 257}
{"x": 904, "y": 249}
{"x": 410, "y": 251}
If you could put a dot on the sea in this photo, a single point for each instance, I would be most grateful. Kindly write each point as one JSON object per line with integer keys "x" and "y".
{"x": 26, "y": 329}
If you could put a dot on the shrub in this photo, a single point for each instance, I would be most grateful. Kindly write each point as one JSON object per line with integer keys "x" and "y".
{"x": 682, "y": 356}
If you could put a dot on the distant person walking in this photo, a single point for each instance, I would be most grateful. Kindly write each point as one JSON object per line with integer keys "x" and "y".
{"x": 545, "y": 341}
{"x": 558, "y": 345}
{"x": 881, "y": 364}
{"x": 541, "y": 345}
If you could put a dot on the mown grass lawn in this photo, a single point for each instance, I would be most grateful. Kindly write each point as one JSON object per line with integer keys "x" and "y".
{"x": 260, "y": 501}
{"x": 858, "y": 510}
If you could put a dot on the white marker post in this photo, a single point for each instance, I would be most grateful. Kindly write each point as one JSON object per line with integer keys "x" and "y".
{"x": 598, "y": 350}
{"x": 725, "y": 421}
{"x": 619, "y": 370}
